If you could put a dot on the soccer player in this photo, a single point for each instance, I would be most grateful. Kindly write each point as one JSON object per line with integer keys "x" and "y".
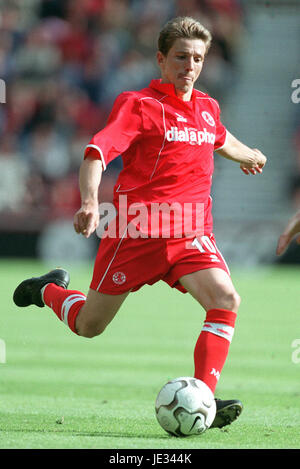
{"x": 167, "y": 134}
{"x": 291, "y": 230}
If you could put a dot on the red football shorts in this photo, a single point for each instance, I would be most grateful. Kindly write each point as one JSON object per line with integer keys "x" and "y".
{"x": 126, "y": 264}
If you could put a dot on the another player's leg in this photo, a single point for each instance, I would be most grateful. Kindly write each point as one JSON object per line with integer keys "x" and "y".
{"x": 214, "y": 290}
{"x": 85, "y": 316}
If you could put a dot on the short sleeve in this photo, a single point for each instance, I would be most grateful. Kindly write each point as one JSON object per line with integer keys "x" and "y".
{"x": 220, "y": 132}
{"x": 123, "y": 128}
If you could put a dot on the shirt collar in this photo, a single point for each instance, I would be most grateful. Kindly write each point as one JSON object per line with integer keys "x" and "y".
{"x": 169, "y": 89}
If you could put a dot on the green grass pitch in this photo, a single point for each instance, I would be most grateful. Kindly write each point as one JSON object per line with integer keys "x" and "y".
{"x": 58, "y": 390}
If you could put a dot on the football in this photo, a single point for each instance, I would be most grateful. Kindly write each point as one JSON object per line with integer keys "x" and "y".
{"x": 185, "y": 406}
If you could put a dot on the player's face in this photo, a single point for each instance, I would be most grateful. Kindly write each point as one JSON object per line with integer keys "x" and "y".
{"x": 182, "y": 65}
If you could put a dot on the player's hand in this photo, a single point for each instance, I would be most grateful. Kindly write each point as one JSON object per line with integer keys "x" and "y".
{"x": 259, "y": 161}
{"x": 292, "y": 229}
{"x": 86, "y": 220}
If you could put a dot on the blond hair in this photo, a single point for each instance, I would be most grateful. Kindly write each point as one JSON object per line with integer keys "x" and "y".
{"x": 182, "y": 27}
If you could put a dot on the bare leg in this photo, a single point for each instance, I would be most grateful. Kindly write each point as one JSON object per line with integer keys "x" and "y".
{"x": 212, "y": 288}
{"x": 97, "y": 312}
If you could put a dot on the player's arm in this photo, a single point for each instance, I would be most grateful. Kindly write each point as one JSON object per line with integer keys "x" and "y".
{"x": 292, "y": 229}
{"x": 86, "y": 219}
{"x": 251, "y": 160}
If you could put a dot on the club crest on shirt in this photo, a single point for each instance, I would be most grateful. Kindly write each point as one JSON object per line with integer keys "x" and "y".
{"x": 208, "y": 118}
{"x": 119, "y": 278}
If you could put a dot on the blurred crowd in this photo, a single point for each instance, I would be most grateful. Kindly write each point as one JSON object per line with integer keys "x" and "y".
{"x": 63, "y": 63}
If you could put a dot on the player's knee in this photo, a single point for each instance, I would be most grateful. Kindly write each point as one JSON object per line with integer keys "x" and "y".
{"x": 233, "y": 300}
{"x": 229, "y": 299}
{"x": 90, "y": 329}
{"x": 237, "y": 301}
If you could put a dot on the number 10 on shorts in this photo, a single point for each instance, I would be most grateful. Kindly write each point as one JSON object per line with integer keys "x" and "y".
{"x": 204, "y": 245}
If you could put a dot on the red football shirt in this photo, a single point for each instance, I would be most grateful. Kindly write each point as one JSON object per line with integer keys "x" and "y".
{"x": 166, "y": 144}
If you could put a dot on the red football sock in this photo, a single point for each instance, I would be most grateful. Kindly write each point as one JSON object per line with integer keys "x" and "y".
{"x": 66, "y": 304}
{"x": 212, "y": 347}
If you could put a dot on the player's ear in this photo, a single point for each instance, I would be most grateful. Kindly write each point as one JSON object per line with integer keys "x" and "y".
{"x": 160, "y": 58}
